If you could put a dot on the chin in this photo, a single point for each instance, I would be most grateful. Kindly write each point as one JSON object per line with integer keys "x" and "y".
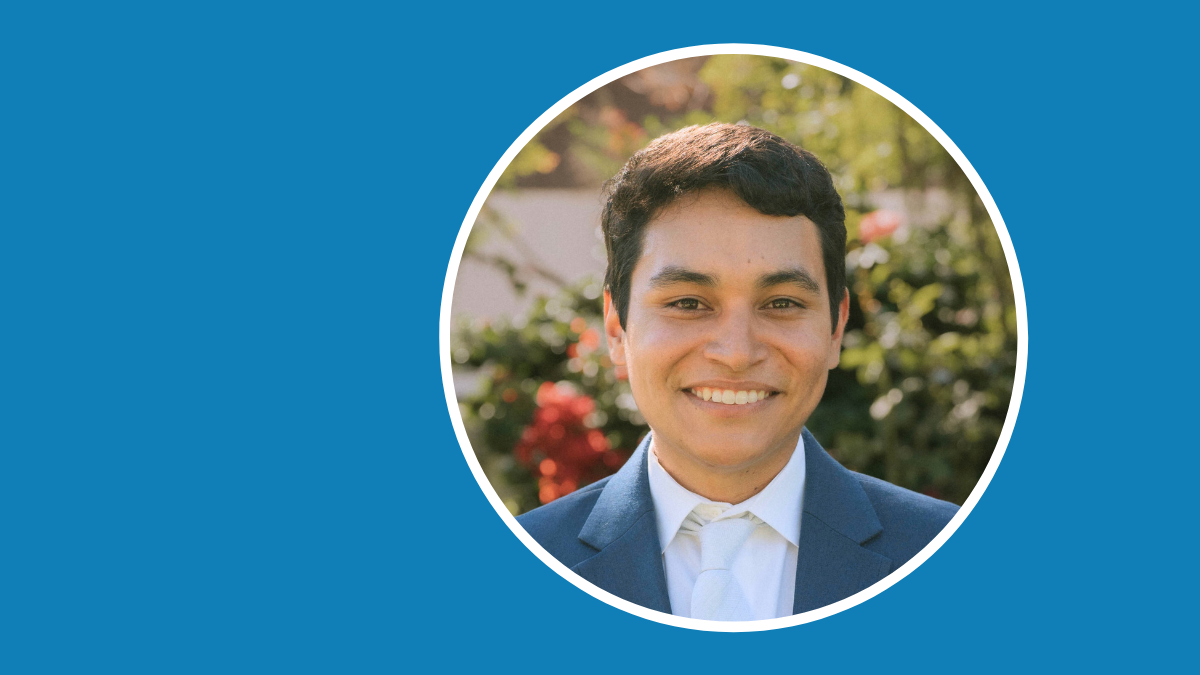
{"x": 726, "y": 450}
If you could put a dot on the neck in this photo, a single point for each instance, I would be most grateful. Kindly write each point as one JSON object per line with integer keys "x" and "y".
{"x": 730, "y": 484}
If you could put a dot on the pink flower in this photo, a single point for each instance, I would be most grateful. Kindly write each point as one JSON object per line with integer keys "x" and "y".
{"x": 878, "y": 224}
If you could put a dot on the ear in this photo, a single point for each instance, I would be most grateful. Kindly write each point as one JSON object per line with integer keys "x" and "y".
{"x": 835, "y": 341}
{"x": 613, "y": 331}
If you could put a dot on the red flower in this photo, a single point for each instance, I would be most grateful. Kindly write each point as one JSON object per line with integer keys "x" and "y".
{"x": 878, "y": 224}
{"x": 590, "y": 339}
{"x": 560, "y": 448}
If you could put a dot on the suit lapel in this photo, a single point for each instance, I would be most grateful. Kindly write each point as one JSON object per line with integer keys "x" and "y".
{"x": 837, "y": 519}
{"x": 623, "y": 529}
{"x": 831, "y": 564}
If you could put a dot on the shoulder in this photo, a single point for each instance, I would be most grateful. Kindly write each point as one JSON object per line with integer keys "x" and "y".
{"x": 910, "y": 520}
{"x": 556, "y": 525}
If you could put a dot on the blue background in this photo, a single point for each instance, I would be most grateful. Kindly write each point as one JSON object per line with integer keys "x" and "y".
{"x": 224, "y": 445}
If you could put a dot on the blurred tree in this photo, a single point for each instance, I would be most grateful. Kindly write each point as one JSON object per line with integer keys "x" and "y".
{"x": 930, "y": 351}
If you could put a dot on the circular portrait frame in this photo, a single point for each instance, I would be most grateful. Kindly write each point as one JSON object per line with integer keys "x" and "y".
{"x": 799, "y": 57}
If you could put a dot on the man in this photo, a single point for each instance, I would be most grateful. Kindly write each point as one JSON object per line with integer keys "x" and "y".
{"x": 726, "y": 302}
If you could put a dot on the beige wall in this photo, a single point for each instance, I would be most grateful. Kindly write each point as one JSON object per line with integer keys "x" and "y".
{"x": 560, "y": 226}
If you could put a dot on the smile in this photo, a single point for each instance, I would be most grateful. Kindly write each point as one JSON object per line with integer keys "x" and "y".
{"x": 730, "y": 396}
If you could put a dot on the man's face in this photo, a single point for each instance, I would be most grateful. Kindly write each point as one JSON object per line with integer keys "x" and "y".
{"x": 726, "y": 299}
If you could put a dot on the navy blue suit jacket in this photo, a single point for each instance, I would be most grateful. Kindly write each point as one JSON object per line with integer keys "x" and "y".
{"x": 854, "y": 531}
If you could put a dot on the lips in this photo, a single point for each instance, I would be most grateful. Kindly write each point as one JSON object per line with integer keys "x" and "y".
{"x": 731, "y": 396}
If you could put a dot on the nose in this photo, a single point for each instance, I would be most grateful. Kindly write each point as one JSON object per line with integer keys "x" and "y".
{"x": 734, "y": 342}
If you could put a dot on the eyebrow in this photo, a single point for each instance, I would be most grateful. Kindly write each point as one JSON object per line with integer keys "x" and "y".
{"x": 797, "y": 276}
{"x": 673, "y": 274}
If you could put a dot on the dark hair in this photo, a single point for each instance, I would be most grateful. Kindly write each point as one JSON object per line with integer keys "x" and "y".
{"x": 765, "y": 171}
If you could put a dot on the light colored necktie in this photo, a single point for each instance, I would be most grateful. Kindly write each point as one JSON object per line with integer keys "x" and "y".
{"x": 717, "y": 595}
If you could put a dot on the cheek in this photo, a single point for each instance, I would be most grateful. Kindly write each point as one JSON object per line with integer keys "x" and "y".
{"x": 654, "y": 350}
{"x": 660, "y": 342}
{"x": 807, "y": 352}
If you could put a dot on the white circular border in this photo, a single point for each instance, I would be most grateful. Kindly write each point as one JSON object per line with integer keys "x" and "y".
{"x": 456, "y": 414}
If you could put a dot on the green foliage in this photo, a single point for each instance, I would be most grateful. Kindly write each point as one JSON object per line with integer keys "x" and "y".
{"x": 514, "y": 359}
{"x": 866, "y": 141}
{"x": 928, "y": 363}
{"x": 534, "y": 158}
{"x": 929, "y": 358}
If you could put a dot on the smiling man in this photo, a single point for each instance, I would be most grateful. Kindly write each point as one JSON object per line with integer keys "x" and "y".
{"x": 726, "y": 302}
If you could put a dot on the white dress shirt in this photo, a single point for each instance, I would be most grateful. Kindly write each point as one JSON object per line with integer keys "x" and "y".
{"x": 765, "y": 567}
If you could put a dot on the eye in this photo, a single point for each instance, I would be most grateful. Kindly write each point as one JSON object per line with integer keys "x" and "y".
{"x": 686, "y": 303}
{"x": 783, "y": 303}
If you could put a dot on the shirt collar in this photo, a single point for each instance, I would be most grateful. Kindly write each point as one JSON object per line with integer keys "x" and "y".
{"x": 779, "y": 504}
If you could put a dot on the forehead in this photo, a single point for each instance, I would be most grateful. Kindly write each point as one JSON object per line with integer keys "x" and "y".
{"x": 716, "y": 233}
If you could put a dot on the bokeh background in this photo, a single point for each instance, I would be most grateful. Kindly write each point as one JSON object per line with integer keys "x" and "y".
{"x": 930, "y": 351}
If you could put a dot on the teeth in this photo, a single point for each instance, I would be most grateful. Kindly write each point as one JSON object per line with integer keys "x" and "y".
{"x": 729, "y": 396}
